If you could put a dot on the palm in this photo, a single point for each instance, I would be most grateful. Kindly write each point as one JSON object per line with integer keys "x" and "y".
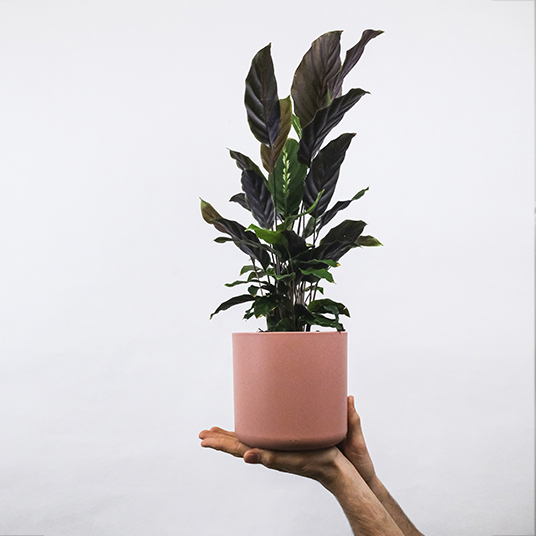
{"x": 312, "y": 463}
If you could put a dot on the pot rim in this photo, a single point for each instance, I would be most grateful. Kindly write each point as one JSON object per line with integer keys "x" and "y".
{"x": 291, "y": 333}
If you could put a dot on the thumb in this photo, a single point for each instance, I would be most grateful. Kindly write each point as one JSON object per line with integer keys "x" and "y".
{"x": 354, "y": 421}
{"x": 252, "y": 456}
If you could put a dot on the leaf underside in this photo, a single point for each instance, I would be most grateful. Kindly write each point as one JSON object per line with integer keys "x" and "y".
{"x": 324, "y": 173}
{"x": 315, "y": 133}
{"x": 240, "y": 198}
{"x": 319, "y": 65}
{"x": 245, "y": 163}
{"x": 352, "y": 57}
{"x": 269, "y": 155}
{"x": 261, "y": 100}
{"x": 339, "y": 205}
{"x": 339, "y": 240}
{"x": 258, "y": 198}
{"x": 245, "y": 240}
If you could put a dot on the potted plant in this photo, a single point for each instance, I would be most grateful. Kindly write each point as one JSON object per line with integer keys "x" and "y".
{"x": 289, "y": 381}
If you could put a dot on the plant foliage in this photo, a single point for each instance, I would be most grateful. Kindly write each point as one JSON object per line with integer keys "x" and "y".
{"x": 289, "y": 260}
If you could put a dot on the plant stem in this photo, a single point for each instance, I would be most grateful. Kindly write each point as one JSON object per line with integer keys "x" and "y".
{"x": 257, "y": 275}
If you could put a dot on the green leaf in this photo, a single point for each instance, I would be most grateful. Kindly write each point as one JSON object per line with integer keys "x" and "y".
{"x": 289, "y": 220}
{"x": 326, "y": 305}
{"x": 247, "y": 268}
{"x": 222, "y": 239}
{"x": 313, "y": 206}
{"x": 310, "y": 84}
{"x": 325, "y": 120}
{"x": 253, "y": 290}
{"x": 313, "y": 287}
{"x": 211, "y": 215}
{"x": 320, "y": 320}
{"x": 254, "y": 276}
{"x": 261, "y": 100}
{"x": 321, "y": 273}
{"x": 339, "y": 205}
{"x": 280, "y": 277}
{"x": 324, "y": 174}
{"x": 269, "y": 155}
{"x": 264, "y": 305}
{"x": 234, "y": 283}
{"x": 285, "y": 324}
{"x": 352, "y": 57}
{"x": 233, "y": 301}
{"x": 270, "y": 237}
{"x": 310, "y": 227}
{"x": 327, "y": 262}
{"x": 368, "y": 241}
{"x": 249, "y": 313}
{"x": 296, "y": 125}
{"x": 286, "y": 180}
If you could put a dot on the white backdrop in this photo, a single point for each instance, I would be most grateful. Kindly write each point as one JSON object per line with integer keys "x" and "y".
{"x": 115, "y": 116}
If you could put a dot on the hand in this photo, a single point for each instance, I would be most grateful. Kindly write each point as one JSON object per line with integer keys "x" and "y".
{"x": 316, "y": 464}
{"x": 354, "y": 447}
{"x": 321, "y": 465}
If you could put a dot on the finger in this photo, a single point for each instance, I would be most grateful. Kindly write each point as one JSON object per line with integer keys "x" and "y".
{"x": 311, "y": 464}
{"x": 221, "y": 431}
{"x": 224, "y": 443}
{"x": 280, "y": 460}
{"x": 216, "y": 431}
{"x": 354, "y": 420}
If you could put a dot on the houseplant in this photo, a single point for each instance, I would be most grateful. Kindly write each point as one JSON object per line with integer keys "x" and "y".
{"x": 290, "y": 253}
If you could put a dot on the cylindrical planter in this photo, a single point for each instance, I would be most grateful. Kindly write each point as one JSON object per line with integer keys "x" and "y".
{"x": 290, "y": 389}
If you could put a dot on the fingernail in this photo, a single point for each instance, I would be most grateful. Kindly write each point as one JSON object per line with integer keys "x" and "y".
{"x": 251, "y": 457}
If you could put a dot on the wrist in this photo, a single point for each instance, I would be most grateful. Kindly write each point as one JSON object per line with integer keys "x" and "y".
{"x": 376, "y": 486}
{"x": 341, "y": 476}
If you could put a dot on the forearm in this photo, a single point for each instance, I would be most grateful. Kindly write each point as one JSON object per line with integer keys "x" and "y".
{"x": 365, "y": 513}
{"x": 393, "y": 508}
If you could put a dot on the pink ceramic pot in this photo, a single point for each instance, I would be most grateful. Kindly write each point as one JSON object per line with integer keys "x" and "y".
{"x": 290, "y": 389}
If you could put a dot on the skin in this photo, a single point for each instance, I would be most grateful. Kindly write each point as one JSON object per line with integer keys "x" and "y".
{"x": 346, "y": 471}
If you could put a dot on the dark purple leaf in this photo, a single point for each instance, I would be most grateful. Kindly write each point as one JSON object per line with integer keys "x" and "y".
{"x": 246, "y": 241}
{"x": 339, "y": 205}
{"x": 310, "y": 85}
{"x": 352, "y": 57}
{"x": 261, "y": 100}
{"x": 325, "y": 120}
{"x": 269, "y": 155}
{"x": 339, "y": 240}
{"x": 296, "y": 243}
{"x": 258, "y": 198}
{"x": 244, "y": 162}
{"x": 240, "y": 199}
{"x": 324, "y": 174}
